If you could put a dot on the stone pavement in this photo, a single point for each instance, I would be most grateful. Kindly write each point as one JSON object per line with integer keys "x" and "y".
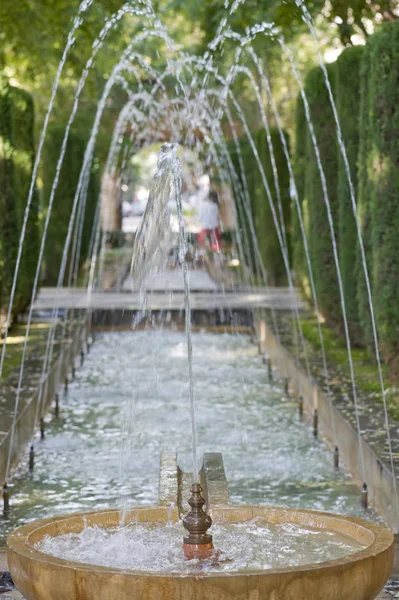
{"x": 370, "y": 410}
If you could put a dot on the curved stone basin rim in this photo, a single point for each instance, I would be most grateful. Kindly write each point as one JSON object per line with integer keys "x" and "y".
{"x": 376, "y": 538}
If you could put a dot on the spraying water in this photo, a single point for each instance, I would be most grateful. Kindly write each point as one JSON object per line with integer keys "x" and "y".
{"x": 152, "y": 241}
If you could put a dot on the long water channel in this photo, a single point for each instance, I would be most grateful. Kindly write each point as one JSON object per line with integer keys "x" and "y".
{"x": 130, "y": 401}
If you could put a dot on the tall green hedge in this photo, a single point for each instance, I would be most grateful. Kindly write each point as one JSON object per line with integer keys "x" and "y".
{"x": 266, "y": 232}
{"x": 347, "y": 92}
{"x": 242, "y": 211}
{"x": 319, "y": 238}
{"x": 363, "y": 202}
{"x": 64, "y": 197}
{"x": 379, "y": 180}
{"x": 267, "y": 239}
{"x": 8, "y": 216}
{"x": 300, "y": 163}
{"x": 23, "y": 157}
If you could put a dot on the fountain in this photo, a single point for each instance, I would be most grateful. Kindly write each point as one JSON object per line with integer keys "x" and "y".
{"x": 242, "y": 552}
{"x": 361, "y": 569}
{"x": 255, "y": 552}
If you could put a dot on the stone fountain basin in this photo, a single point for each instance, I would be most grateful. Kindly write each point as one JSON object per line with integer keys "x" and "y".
{"x": 358, "y": 576}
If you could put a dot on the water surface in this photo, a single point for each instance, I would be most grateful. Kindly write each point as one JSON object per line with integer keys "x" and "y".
{"x": 130, "y": 401}
{"x": 240, "y": 547}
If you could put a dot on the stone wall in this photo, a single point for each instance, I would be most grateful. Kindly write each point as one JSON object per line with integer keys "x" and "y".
{"x": 377, "y": 471}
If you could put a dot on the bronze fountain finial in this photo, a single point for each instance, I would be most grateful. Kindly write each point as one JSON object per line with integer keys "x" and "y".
{"x": 198, "y": 543}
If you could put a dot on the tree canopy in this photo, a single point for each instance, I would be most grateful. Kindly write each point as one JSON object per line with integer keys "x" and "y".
{"x": 33, "y": 34}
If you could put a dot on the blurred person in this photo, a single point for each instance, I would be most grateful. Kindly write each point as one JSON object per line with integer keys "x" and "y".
{"x": 209, "y": 217}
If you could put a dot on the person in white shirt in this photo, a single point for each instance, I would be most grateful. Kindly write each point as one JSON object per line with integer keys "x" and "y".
{"x": 209, "y": 217}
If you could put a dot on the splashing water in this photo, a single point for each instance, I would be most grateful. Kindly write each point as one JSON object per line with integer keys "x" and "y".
{"x": 152, "y": 240}
{"x": 244, "y": 546}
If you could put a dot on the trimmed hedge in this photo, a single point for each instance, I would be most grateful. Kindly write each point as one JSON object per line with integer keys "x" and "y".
{"x": 379, "y": 180}
{"x": 16, "y": 164}
{"x": 64, "y": 197}
{"x": 265, "y": 230}
{"x": 319, "y": 238}
{"x": 365, "y": 82}
{"x": 24, "y": 156}
{"x": 269, "y": 244}
{"x": 347, "y": 92}
{"x": 8, "y": 215}
{"x": 363, "y": 203}
{"x": 299, "y": 167}
{"x": 243, "y": 222}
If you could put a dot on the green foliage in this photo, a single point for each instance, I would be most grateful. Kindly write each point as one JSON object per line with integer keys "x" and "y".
{"x": 349, "y": 17}
{"x": 300, "y": 163}
{"x": 24, "y": 156}
{"x": 319, "y": 238}
{"x": 347, "y": 91}
{"x": 266, "y": 234}
{"x": 379, "y": 178}
{"x": 16, "y": 163}
{"x": 243, "y": 221}
{"x": 363, "y": 202}
{"x": 64, "y": 198}
{"x": 8, "y": 217}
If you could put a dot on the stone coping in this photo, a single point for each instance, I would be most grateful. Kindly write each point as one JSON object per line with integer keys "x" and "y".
{"x": 337, "y": 419}
{"x": 359, "y": 576}
{"x": 36, "y": 393}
